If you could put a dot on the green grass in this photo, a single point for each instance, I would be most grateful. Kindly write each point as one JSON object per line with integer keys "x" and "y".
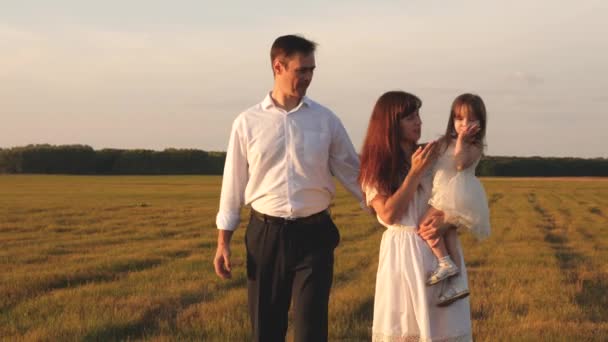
{"x": 130, "y": 258}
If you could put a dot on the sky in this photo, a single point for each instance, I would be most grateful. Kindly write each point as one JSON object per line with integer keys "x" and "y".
{"x": 174, "y": 74}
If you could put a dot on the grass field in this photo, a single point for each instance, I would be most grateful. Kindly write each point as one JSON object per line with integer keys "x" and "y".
{"x": 130, "y": 258}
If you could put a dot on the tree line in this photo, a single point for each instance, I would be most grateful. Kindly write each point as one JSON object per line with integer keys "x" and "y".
{"x": 82, "y": 159}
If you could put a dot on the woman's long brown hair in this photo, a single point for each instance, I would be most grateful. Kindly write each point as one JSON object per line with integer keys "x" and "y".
{"x": 383, "y": 163}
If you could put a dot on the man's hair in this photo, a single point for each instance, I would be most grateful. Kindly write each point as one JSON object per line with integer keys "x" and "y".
{"x": 289, "y": 45}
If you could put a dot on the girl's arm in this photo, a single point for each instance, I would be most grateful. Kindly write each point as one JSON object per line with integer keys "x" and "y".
{"x": 465, "y": 154}
{"x": 391, "y": 208}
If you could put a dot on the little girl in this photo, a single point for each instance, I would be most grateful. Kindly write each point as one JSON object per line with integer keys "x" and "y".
{"x": 456, "y": 190}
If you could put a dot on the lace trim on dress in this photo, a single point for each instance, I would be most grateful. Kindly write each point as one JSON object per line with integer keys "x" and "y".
{"x": 377, "y": 337}
{"x": 459, "y": 221}
{"x": 462, "y": 222}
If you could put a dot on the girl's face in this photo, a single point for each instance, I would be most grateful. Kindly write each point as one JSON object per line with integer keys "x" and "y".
{"x": 411, "y": 126}
{"x": 463, "y": 119}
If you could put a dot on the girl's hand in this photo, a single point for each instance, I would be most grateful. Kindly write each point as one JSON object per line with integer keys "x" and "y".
{"x": 424, "y": 157}
{"x": 468, "y": 133}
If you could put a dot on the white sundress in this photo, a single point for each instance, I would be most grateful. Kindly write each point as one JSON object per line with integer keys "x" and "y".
{"x": 404, "y": 306}
{"x": 460, "y": 195}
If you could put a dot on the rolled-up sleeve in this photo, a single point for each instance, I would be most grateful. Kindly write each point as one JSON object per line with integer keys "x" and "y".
{"x": 234, "y": 180}
{"x": 344, "y": 161}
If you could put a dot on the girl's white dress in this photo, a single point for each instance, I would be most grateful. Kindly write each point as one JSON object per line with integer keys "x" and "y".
{"x": 460, "y": 195}
{"x": 404, "y": 306}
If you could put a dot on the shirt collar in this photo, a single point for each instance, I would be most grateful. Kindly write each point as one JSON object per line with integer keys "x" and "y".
{"x": 268, "y": 103}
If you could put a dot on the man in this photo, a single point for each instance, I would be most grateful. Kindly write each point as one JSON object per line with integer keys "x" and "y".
{"x": 281, "y": 157}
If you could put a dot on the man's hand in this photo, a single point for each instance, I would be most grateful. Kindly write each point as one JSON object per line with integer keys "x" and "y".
{"x": 221, "y": 262}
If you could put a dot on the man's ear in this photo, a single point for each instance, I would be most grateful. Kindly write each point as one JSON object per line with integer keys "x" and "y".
{"x": 277, "y": 66}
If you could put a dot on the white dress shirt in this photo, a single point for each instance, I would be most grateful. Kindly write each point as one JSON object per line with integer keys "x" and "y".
{"x": 281, "y": 163}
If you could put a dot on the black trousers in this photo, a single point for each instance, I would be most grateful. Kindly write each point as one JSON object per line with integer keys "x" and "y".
{"x": 285, "y": 259}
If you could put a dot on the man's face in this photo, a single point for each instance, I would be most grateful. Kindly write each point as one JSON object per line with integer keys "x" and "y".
{"x": 294, "y": 74}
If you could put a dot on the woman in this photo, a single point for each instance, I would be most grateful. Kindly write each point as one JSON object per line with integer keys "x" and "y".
{"x": 396, "y": 176}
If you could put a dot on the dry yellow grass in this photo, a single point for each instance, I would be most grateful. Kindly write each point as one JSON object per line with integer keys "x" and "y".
{"x": 129, "y": 258}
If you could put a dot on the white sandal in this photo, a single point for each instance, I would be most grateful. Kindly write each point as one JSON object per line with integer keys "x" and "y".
{"x": 442, "y": 273}
{"x": 449, "y": 295}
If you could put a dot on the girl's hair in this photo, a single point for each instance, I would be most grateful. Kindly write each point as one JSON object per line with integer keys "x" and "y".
{"x": 383, "y": 163}
{"x": 473, "y": 104}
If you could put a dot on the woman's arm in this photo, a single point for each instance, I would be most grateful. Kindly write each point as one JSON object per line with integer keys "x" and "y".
{"x": 391, "y": 208}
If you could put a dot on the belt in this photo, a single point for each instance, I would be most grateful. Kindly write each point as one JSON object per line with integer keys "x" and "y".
{"x": 312, "y": 219}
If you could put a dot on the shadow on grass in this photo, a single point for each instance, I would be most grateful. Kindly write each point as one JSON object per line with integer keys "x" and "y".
{"x": 591, "y": 292}
{"x": 481, "y": 312}
{"x": 519, "y": 310}
{"x": 104, "y": 274}
{"x": 495, "y": 198}
{"x": 555, "y": 239}
{"x": 365, "y": 311}
{"x": 596, "y": 211}
{"x": 166, "y": 312}
{"x": 121, "y": 331}
{"x": 568, "y": 259}
{"x": 592, "y": 298}
{"x": 475, "y": 263}
{"x": 566, "y": 256}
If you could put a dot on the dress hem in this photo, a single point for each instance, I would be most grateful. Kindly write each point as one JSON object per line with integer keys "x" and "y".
{"x": 378, "y": 337}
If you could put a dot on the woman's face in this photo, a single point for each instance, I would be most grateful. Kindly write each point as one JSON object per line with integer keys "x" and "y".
{"x": 463, "y": 119}
{"x": 410, "y": 127}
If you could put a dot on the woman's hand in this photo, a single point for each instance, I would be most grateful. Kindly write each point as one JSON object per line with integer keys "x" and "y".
{"x": 424, "y": 157}
{"x": 433, "y": 227}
